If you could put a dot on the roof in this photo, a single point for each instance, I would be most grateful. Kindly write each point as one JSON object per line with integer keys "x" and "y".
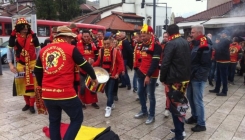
{"x": 97, "y": 11}
{"x": 113, "y": 22}
{"x": 219, "y": 10}
{"x": 178, "y": 19}
{"x": 87, "y": 7}
{"x": 133, "y": 15}
{"x": 90, "y": 19}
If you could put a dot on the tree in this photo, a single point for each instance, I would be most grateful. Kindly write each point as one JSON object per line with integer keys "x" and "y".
{"x": 67, "y": 9}
{"x": 81, "y": 1}
{"x": 46, "y": 9}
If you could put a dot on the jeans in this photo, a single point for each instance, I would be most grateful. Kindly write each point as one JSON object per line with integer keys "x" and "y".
{"x": 231, "y": 71}
{"x": 212, "y": 73}
{"x": 222, "y": 74}
{"x": 109, "y": 91}
{"x": 178, "y": 127}
{"x": 151, "y": 92}
{"x": 135, "y": 80}
{"x": 195, "y": 92}
{"x": 73, "y": 108}
{"x": 115, "y": 90}
{"x": 125, "y": 78}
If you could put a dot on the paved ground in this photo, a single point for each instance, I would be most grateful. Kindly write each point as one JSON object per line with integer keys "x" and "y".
{"x": 225, "y": 116}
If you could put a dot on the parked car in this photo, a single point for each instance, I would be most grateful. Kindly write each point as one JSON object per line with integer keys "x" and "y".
{"x": 4, "y": 49}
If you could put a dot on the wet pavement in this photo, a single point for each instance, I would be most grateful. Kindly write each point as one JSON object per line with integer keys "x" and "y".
{"x": 225, "y": 116}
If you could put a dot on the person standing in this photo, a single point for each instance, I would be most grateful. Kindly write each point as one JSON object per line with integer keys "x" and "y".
{"x": 111, "y": 60}
{"x": 235, "y": 56}
{"x": 54, "y": 72}
{"x": 148, "y": 73}
{"x": 200, "y": 66}
{"x": 50, "y": 39}
{"x": 100, "y": 37}
{"x": 127, "y": 52}
{"x": 26, "y": 46}
{"x": 89, "y": 51}
{"x": 222, "y": 57}
{"x": 175, "y": 74}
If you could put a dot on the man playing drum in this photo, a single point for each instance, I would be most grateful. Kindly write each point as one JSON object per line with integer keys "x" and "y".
{"x": 26, "y": 46}
{"x": 111, "y": 60}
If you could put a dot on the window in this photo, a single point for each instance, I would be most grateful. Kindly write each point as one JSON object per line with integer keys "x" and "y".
{"x": 158, "y": 30}
{"x": 43, "y": 31}
{"x": 8, "y": 29}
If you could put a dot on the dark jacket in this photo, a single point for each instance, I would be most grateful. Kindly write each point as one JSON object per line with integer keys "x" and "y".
{"x": 127, "y": 53}
{"x": 222, "y": 52}
{"x": 176, "y": 63}
{"x": 200, "y": 61}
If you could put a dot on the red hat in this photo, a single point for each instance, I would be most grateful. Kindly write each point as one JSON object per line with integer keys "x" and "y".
{"x": 93, "y": 31}
{"x": 21, "y": 21}
{"x": 147, "y": 29}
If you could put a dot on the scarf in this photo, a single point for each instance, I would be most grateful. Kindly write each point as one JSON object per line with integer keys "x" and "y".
{"x": 150, "y": 43}
{"x": 203, "y": 42}
{"x": 172, "y": 37}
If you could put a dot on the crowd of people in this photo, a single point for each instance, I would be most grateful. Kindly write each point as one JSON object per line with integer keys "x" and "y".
{"x": 59, "y": 71}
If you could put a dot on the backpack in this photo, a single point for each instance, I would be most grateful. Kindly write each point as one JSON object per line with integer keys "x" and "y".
{"x": 107, "y": 134}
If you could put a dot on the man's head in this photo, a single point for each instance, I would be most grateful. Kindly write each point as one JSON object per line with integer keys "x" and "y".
{"x": 65, "y": 33}
{"x": 121, "y": 35}
{"x": 173, "y": 29}
{"x": 22, "y": 26}
{"x": 209, "y": 36}
{"x": 86, "y": 36}
{"x": 137, "y": 37}
{"x": 189, "y": 38}
{"x": 235, "y": 40}
{"x": 74, "y": 28}
{"x": 107, "y": 42}
{"x": 224, "y": 34}
{"x": 165, "y": 37}
{"x": 100, "y": 35}
{"x": 197, "y": 30}
{"x": 146, "y": 33}
{"x": 54, "y": 31}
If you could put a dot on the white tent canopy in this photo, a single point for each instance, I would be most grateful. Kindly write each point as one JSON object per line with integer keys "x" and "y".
{"x": 183, "y": 25}
{"x": 224, "y": 22}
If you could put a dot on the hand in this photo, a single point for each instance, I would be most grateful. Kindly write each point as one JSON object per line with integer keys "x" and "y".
{"x": 13, "y": 33}
{"x": 95, "y": 82}
{"x": 123, "y": 73}
{"x": 147, "y": 80}
{"x": 116, "y": 76}
{"x": 12, "y": 68}
{"x": 90, "y": 61}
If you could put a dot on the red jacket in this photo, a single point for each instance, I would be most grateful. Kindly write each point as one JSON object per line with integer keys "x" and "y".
{"x": 112, "y": 61}
{"x": 57, "y": 60}
{"x": 235, "y": 49}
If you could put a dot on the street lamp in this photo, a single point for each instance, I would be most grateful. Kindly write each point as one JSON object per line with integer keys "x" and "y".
{"x": 154, "y": 12}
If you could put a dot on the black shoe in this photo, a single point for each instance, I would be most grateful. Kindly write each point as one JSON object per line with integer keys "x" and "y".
{"x": 176, "y": 139}
{"x": 129, "y": 87}
{"x": 137, "y": 99}
{"x": 232, "y": 83}
{"x": 32, "y": 109}
{"x": 115, "y": 98}
{"x": 95, "y": 106}
{"x": 84, "y": 106}
{"x": 213, "y": 91}
{"x": 198, "y": 128}
{"x": 210, "y": 82}
{"x": 221, "y": 94}
{"x": 135, "y": 90}
{"x": 191, "y": 120}
{"x": 122, "y": 86}
{"x": 26, "y": 107}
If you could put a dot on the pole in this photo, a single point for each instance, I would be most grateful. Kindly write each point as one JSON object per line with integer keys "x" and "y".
{"x": 166, "y": 16}
{"x": 154, "y": 15}
{"x": 1, "y": 69}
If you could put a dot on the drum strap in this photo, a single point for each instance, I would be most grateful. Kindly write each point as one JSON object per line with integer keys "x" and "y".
{"x": 102, "y": 54}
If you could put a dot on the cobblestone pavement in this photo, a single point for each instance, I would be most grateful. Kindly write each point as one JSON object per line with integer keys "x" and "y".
{"x": 224, "y": 115}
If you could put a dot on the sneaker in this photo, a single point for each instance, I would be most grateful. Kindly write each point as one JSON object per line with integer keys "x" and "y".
{"x": 135, "y": 90}
{"x": 108, "y": 112}
{"x": 150, "y": 120}
{"x": 140, "y": 115}
{"x": 113, "y": 106}
{"x": 95, "y": 106}
{"x": 191, "y": 120}
{"x": 166, "y": 113}
{"x": 173, "y": 131}
{"x": 32, "y": 109}
{"x": 198, "y": 128}
{"x": 26, "y": 107}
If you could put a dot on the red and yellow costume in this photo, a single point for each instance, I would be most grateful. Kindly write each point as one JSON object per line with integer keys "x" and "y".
{"x": 235, "y": 49}
{"x": 100, "y": 43}
{"x": 25, "y": 54}
{"x": 89, "y": 51}
{"x": 137, "y": 55}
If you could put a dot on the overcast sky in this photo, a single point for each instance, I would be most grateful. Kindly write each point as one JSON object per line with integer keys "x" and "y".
{"x": 186, "y": 8}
